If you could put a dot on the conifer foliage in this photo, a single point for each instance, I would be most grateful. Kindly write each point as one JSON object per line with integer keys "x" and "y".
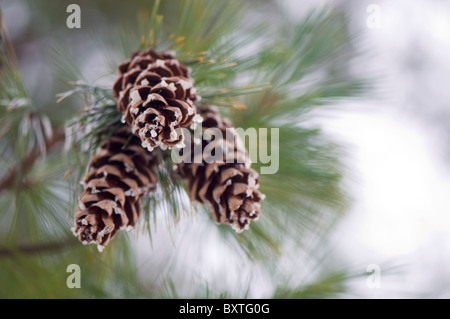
{"x": 115, "y": 170}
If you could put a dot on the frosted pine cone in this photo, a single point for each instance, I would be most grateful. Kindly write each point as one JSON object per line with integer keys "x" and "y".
{"x": 156, "y": 96}
{"x": 229, "y": 189}
{"x": 120, "y": 172}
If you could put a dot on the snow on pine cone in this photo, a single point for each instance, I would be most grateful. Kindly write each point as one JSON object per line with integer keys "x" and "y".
{"x": 119, "y": 174}
{"x": 156, "y": 96}
{"x": 229, "y": 188}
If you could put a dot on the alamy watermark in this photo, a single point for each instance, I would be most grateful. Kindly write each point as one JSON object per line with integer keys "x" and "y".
{"x": 74, "y": 279}
{"x": 73, "y": 21}
{"x": 374, "y": 20}
{"x": 374, "y": 279}
{"x": 229, "y": 146}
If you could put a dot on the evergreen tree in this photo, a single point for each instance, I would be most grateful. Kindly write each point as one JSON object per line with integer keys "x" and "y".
{"x": 259, "y": 75}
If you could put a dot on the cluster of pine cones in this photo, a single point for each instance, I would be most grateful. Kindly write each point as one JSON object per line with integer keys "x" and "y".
{"x": 156, "y": 96}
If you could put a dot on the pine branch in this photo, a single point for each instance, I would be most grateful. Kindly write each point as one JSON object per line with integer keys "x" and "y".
{"x": 305, "y": 66}
{"x": 33, "y": 249}
{"x": 8, "y": 181}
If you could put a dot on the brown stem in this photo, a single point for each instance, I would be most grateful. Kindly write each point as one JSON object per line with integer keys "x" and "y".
{"x": 8, "y": 181}
{"x": 36, "y": 248}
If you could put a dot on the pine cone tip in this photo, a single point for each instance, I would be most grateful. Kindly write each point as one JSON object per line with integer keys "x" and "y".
{"x": 156, "y": 96}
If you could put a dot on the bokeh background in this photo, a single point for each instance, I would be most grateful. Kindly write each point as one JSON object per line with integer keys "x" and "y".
{"x": 395, "y": 141}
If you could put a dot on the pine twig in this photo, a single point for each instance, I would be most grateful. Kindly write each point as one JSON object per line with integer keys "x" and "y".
{"x": 24, "y": 166}
{"x": 32, "y": 249}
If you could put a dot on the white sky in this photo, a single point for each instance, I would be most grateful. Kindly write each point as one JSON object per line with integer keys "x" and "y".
{"x": 400, "y": 178}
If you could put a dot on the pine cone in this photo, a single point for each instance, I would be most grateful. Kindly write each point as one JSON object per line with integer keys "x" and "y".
{"x": 156, "y": 96}
{"x": 120, "y": 172}
{"x": 230, "y": 189}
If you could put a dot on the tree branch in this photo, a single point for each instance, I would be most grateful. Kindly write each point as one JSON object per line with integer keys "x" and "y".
{"x": 37, "y": 248}
{"x": 8, "y": 181}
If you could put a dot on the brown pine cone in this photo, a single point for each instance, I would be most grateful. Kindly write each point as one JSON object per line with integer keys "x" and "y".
{"x": 229, "y": 189}
{"x": 120, "y": 172}
{"x": 156, "y": 96}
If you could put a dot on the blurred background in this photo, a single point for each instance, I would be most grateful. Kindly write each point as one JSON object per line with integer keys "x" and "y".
{"x": 393, "y": 168}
